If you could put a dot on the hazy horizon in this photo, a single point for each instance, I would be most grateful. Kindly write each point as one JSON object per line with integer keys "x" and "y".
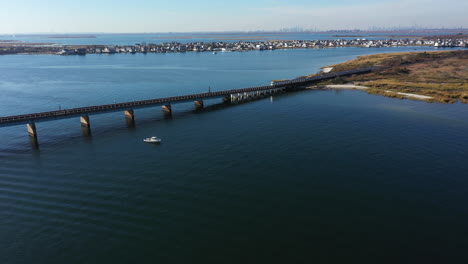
{"x": 278, "y": 31}
{"x": 144, "y": 16}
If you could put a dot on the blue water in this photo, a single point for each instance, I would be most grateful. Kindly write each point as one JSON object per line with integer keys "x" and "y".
{"x": 313, "y": 176}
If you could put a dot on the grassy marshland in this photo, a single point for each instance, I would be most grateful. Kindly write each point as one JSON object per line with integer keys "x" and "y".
{"x": 442, "y": 75}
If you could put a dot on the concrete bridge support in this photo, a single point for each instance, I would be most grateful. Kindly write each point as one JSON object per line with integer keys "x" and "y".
{"x": 33, "y": 135}
{"x": 84, "y": 120}
{"x": 234, "y": 98}
{"x": 129, "y": 117}
{"x": 241, "y": 97}
{"x": 198, "y": 105}
{"x": 32, "y": 130}
{"x": 167, "y": 109}
{"x": 129, "y": 114}
{"x": 85, "y": 126}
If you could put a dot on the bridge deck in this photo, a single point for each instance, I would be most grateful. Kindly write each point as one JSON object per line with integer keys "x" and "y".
{"x": 67, "y": 113}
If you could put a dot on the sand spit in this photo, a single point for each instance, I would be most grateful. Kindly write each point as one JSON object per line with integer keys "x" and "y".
{"x": 412, "y": 96}
{"x": 358, "y": 87}
{"x": 346, "y": 86}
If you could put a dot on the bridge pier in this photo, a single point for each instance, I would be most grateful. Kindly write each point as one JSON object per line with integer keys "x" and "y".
{"x": 253, "y": 95}
{"x": 32, "y": 129}
{"x": 129, "y": 114}
{"x": 32, "y": 135}
{"x": 34, "y": 143}
{"x": 85, "y": 125}
{"x": 84, "y": 120}
{"x": 167, "y": 109}
{"x": 234, "y": 98}
{"x": 129, "y": 117}
{"x": 198, "y": 104}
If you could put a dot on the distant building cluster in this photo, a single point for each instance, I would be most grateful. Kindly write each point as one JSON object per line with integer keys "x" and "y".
{"x": 176, "y": 47}
{"x": 262, "y": 45}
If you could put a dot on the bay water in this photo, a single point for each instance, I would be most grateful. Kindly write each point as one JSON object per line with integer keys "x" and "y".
{"x": 319, "y": 176}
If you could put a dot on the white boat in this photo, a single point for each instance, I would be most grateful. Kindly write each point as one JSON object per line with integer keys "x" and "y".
{"x": 214, "y": 52}
{"x": 152, "y": 140}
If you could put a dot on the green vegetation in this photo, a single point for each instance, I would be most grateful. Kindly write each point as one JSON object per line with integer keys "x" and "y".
{"x": 442, "y": 75}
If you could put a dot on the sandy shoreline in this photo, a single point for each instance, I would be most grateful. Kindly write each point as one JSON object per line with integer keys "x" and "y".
{"x": 412, "y": 96}
{"x": 358, "y": 87}
{"x": 346, "y": 86}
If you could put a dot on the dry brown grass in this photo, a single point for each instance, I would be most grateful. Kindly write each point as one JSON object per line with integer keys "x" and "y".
{"x": 442, "y": 75}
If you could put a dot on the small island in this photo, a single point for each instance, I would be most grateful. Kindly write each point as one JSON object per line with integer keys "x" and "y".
{"x": 439, "y": 76}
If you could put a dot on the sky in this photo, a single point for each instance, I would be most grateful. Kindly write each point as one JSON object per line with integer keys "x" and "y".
{"x": 138, "y": 16}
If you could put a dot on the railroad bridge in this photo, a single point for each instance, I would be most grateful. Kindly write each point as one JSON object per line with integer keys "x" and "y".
{"x": 228, "y": 96}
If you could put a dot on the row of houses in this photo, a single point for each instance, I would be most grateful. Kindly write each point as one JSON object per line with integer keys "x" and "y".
{"x": 261, "y": 45}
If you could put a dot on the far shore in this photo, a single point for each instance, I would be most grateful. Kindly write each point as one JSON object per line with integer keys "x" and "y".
{"x": 240, "y": 43}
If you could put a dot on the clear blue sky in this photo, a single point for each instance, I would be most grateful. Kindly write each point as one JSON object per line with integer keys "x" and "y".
{"x": 62, "y": 16}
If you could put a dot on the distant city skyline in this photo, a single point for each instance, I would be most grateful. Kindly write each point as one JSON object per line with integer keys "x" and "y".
{"x": 139, "y": 16}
